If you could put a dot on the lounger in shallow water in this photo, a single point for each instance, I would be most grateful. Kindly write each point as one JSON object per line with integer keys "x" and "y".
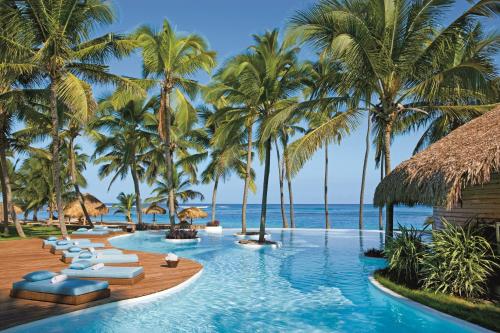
{"x": 68, "y": 256}
{"x": 69, "y": 291}
{"x": 112, "y": 274}
{"x": 52, "y": 241}
{"x": 110, "y": 259}
{"x": 58, "y": 249}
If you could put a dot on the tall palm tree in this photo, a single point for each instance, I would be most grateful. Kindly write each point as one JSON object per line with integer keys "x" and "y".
{"x": 276, "y": 69}
{"x": 125, "y": 205}
{"x": 171, "y": 59}
{"x": 410, "y": 60}
{"x": 56, "y": 46}
{"x": 126, "y": 138}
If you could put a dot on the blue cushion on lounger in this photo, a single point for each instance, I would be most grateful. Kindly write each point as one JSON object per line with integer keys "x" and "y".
{"x": 112, "y": 258}
{"x": 74, "y": 249}
{"x": 111, "y": 272}
{"x": 68, "y": 254}
{"x": 80, "y": 264}
{"x": 68, "y": 287}
{"x": 62, "y": 242}
{"x": 81, "y": 229}
{"x": 85, "y": 255}
{"x": 39, "y": 276}
{"x": 52, "y": 238}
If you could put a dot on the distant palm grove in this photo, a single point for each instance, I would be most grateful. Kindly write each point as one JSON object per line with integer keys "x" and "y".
{"x": 392, "y": 62}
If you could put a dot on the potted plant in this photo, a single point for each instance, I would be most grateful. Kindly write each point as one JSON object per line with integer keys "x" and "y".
{"x": 182, "y": 236}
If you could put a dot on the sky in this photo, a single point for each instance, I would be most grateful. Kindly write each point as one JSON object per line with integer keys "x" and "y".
{"x": 228, "y": 26}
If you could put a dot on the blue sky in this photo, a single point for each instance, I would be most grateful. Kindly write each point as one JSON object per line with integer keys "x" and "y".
{"x": 228, "y": 26}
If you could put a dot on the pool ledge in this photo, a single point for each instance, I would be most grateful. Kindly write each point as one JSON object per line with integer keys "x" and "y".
{"x": 426, "y": 308}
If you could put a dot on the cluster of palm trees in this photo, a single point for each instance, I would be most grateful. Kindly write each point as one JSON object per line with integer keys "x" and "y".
{"x": 389, "y": 61}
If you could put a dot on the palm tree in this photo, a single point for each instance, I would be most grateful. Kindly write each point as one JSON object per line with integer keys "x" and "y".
{"x": 410, "y": 61}
{"x": 270, "y": 73}
{"x": 171, "y": 59}
{"x": 56, "y": 45}
{"x": 181, "y": 190}
{"x": 225, "y": 158}
{"x": 125, "y": 205}
{"x": 121, "y": 151}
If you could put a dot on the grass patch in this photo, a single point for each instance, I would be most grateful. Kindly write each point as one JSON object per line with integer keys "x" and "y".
{"x": 31, "y": 232}
{"x": 483, "y": 313}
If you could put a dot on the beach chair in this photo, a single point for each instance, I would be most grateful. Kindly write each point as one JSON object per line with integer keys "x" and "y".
{"x": 68, "y": 255}
{"x": 108, "y": 259}
{"x": 38, "y": 286}
{"x": 53, "y": 240}
{"x": 59, "y": 247}
{"x": 83, "y": 269}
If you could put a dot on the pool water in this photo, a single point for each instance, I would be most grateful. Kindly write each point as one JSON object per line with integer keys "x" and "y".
{"x": 317, "y": 282}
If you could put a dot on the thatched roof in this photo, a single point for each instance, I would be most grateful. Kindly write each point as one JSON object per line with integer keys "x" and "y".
{"x": 17, "y": 209}
{"x": 192, "y": 213}
{"x": 436, "y": 176}
{"x": 154, "y": 209}
{"x": 93, "y": 205}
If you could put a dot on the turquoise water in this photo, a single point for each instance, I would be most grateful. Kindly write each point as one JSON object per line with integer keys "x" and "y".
{"x": 317, "y": 282}
{"x": 306, "y": 216}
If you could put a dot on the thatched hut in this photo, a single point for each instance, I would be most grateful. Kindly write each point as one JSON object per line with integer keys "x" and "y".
{"x": 93, "y": 205}
{"x": 458, "y": 175}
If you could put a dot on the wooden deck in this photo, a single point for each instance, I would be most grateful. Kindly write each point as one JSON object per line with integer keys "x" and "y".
{"x": 19, "y": 257}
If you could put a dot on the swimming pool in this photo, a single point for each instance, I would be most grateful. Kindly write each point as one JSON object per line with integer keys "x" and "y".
{"x": 317, "y": 282}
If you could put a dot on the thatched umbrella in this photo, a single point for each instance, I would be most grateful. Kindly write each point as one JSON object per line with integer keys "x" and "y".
{"x": 17, "y": 209}
{"x": 192, "y": 213}
{"x": 154, "y": 209}
{"x": 93, "y": 205}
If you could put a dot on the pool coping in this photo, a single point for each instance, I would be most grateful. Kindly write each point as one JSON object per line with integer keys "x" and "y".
{"x": 425, "y": 308}
{"x": 135, "y": 300}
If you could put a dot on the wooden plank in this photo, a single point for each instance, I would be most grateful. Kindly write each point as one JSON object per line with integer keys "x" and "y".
{"x": 20, "y": 257}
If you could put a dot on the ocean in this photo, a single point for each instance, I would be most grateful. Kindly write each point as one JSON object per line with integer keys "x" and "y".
{"x": 342, "y": 216}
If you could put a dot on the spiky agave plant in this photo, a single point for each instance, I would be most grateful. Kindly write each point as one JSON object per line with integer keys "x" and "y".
{"x": 405, "y": 253}
{"x": 459, "y": 261}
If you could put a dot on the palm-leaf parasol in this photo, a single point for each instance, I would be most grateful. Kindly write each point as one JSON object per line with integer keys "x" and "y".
{"x": 192, "y": 213}
{"x": 154, "y": 209}
{"x": 93, "y": 205}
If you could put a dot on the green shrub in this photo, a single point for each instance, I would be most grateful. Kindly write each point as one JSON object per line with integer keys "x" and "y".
{"x": 404, "y": 253}
{"x": 459, "y": 261}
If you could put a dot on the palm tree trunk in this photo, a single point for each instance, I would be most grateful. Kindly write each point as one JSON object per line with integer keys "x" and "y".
{"x": 5, "y": 206}
{"x": 56, "y": 164}
{"x": 138, "y": 205}
{"x": 165, "y": 120}
{"x": 214, "y": 197}
{"x": 262, "y": 229}
{"x": 7, "y": 198}
{"x": 247, "y": 180}
{"x": 380, "y": 209}
{"x": 327, "y": 220}
{"x": 79, "y": 194}
{"x": 363, "y": 175}
{"x": 281, "y": 173}
{"x": 389, "y": 212}
{"x": 290, "y": 194}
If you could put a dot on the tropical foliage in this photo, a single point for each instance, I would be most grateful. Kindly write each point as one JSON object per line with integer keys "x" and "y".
{"x": 459, "y": 261}
{"x": 405, "y": 253}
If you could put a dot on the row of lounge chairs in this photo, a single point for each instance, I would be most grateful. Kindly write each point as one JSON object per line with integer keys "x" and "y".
{"x": 92, "y": 268}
